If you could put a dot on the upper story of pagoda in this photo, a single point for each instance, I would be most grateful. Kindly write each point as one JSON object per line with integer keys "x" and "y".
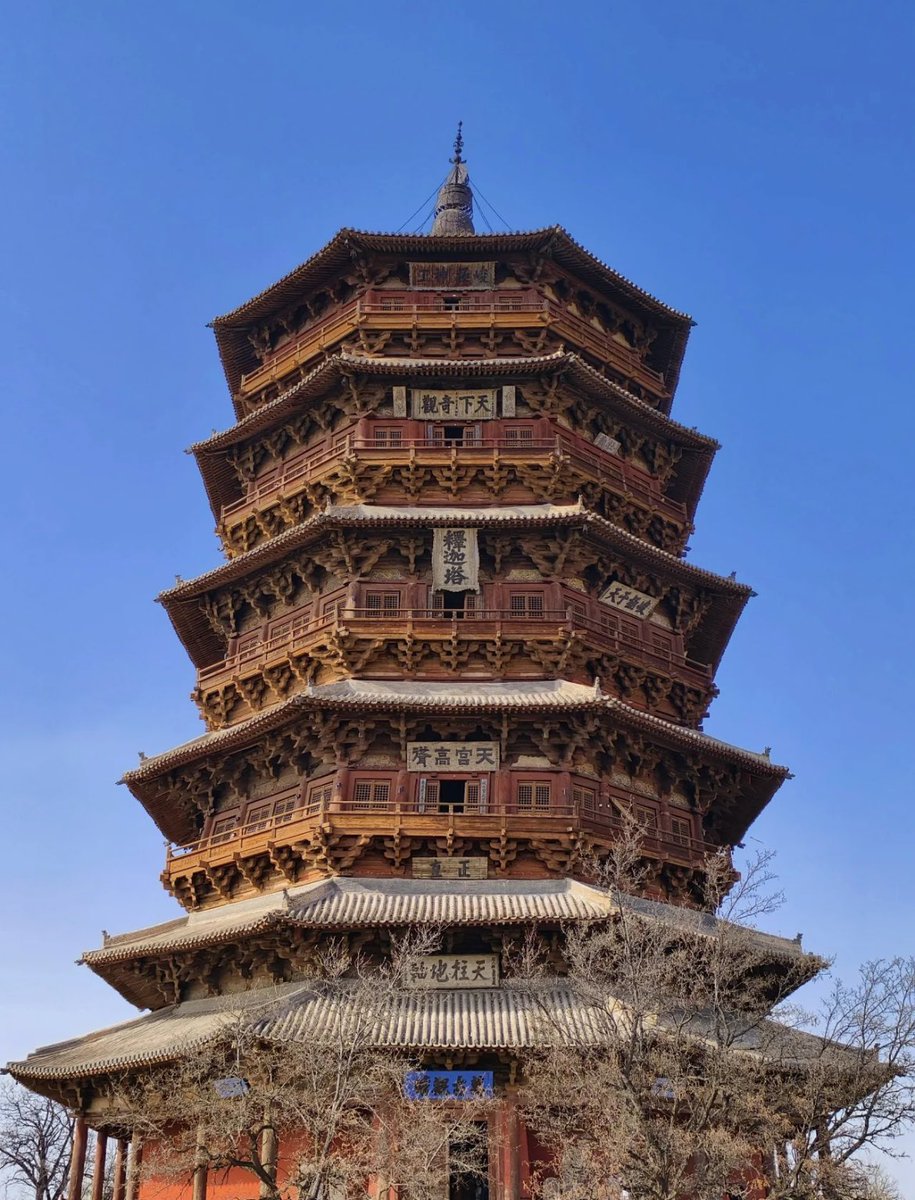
{"x": 451, "y": 295}
{"x": 456, "y": 618}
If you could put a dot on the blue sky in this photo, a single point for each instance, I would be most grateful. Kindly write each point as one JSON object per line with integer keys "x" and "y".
{"x": 751, "y": 163}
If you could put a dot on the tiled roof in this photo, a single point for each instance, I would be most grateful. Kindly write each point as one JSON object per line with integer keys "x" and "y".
{"x": 348, "y": 903}
{"x": 372, "y": 694}
{"x": 523, "y": 515}
{"x": 504, "y": 1018}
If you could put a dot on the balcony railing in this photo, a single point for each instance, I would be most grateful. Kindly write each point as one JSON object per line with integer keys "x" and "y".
{"x": 247, "y": 840}
{"x": 603, "y": 467}
{"x": 388, "y": 310}
{"x": 480, "y": 624}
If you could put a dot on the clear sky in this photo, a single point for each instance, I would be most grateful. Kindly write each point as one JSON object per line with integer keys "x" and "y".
{"x": 751, "y": 163}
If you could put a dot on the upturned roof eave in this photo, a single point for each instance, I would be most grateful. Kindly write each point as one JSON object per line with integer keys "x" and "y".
{"x": 323, "y": 698}
{"x": 219, "y": 484}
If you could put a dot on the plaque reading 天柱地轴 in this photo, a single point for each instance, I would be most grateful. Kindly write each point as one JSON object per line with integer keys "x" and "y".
{"x": 479, "y": 404}
{"x": 455, "y": 560}
{"x": 629, "y": 600}
{"x": 452, "y": 756}
{"x": 454, "y": 971}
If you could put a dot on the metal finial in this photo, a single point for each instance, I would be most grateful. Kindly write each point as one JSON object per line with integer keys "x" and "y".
{"x": 458, "y": 143}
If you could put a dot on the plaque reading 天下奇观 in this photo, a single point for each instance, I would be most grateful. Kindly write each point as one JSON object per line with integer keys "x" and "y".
{"x": 479, "y": 404}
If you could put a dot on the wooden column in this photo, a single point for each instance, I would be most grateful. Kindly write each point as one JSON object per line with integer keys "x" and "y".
{"x": 120, "y": 1169}
{"x": 509, "y": 1145}
{"x": 132, "y": 1190}
{"x": 199, "y": 1185}
{"x": 98, "y": 1169}
{"x": 268, "y": 1158}
{"x": 78, "y": 1158}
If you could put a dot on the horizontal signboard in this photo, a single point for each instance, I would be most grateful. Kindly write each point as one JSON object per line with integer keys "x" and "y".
{"x": 450, "y": 868}
{"x": 452, "y": 756}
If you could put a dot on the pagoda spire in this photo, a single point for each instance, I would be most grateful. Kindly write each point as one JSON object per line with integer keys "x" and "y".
{"x": 454, "y": 206}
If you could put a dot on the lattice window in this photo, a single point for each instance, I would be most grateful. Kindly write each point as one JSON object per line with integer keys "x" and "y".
{"x": 223, "y": 829}
{"x": 647, "y": 818}
{"x": 680, "y": 831}
{"x": 382, "y": 602}
{"x": 257, "y": 817}
{"x": 387, "y": 436}
{"x": 534, "y": 796}
{"x": 371, "y": 793}
{"x": 427, "y": 795}
{"x": 525, "y": 604}
{"x": 584, "y": 798}
{"x": 284, "y": 808}
{"x": 319, "y": 794}
{"x": 515, "y": 435}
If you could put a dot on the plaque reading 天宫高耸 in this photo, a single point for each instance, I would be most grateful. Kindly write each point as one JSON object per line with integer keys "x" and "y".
{"x": 452, "y": 756}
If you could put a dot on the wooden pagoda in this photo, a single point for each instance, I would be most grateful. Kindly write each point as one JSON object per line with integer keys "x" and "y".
{"x": 455, "y": 640}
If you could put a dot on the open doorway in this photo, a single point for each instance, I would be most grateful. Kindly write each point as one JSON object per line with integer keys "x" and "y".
{"x": 468, "y": 1173}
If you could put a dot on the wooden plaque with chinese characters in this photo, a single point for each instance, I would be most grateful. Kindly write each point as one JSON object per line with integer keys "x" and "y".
{"x": 454, "y": 971}
{"x": 479, "y": 404}
{"x": 435, "y": 275}
{"x": 450, "y": 868}
{"x": 629, "y": 600}
{"x": 452, "y": 756}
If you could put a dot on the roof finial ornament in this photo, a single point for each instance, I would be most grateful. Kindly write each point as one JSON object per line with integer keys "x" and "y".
{"x": 454, "y": 206}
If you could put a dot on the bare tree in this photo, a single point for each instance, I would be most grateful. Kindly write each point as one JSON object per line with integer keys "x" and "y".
{"x": 696, "y": 1077}
{"x": 304, "y": 1071}
{"x": 36, "y": 1135}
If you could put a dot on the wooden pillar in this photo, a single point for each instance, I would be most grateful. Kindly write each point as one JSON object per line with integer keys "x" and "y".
{"x": 509, "y": 1144}
{"x": 199, "y": 1183}
{"x": 78, "y": 1158}
{"x": 132, "y": 1191}
{"x": 98, "y": 1169}
{"x": 268, "y": 1158}
{"x": 120, "y": 1169}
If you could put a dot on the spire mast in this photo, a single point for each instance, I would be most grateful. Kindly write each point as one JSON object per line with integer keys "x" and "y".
{"x": 454, "y": 206}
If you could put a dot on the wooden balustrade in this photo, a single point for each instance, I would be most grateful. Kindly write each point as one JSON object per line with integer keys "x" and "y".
{"x": 606, "y": 470}
{"x": 245, "y": 841}
{"x": 475, "y": 625}
{"x": 388, "y": 310}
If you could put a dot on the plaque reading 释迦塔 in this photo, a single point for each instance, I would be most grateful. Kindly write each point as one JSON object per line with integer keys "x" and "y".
{"x": 452, "y": 756}
{"x": 454, "y": 971}
{"x": 435, "y": 275}
{"x": 479, "y": 404}
{"x": 455, "y": 560}
{"x": 450, "y": 868}
{"x": 629, "y": 600}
